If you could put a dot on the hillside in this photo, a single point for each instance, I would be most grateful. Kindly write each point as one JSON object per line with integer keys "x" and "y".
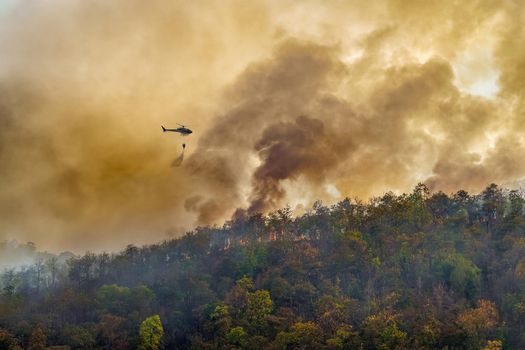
{"x": 415, "y": 271}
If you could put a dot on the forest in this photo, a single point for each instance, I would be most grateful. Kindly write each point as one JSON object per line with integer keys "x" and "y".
{"x": 420, "y": 270}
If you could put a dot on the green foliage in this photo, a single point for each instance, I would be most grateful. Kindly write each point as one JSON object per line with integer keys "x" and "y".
{"x": 114, "y": 297}
{"x": 150, "y": 333}
{"x": 258, "y": 306}
{"x": 460, "y": 274}
{"x": 221, "y": 320}
{"x": 79, "y": 337}
{"x": 393, "y": 338}
{"x": 493, "y": 345}
{"x": 124, "y": 301}
{"x": 381, "y": 331}
{"x": 245, "y": 283}
{"x": 303, "y": 335}
{"x": 345, "y": 339}
{"x": 237, "y": 336}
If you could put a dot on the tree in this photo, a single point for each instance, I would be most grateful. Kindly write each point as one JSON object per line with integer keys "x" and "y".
{"x": 516, "y": 204}
{"x": 258, "y": 306}
{"x": 238, "y": 295}
{"x": 79, "y": 337}
{"x": 114, "y": 298}
{"x": 8, "y": 341}
{"x": 493, "y": 205}
{"x": 460, "y": 274}
{"x": 439, "y": 206}
{"x": 81, "y": 270}
{"x": 221, "y": 319}
{"x": 150, "y": 333}
{"x": 112, "y": 332}
{"x": 38, "y": 339}
{"x": 380, "y": 331}
{"x": 38, "y": 268}
{"x": 10, "y": 281}
{"x": 52, "y": 267}
{"x": 303, "y": 335}
{"x": 237, "y": 336}
{"x": 345, "y": 339}
{"x": 393, "y": 338}
{"x": 494, "y": 345}
{"x": 479, "y": 322}
{"x": 417, "y": 200}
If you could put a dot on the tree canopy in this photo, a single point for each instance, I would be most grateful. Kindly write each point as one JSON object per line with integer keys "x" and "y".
{"x": 419, "y": 270}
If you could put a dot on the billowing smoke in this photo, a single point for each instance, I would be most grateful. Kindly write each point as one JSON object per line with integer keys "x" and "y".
{"x": 289, "y": 150}
{"x": 14, "y": 255}
{"x": 289, "y": 102}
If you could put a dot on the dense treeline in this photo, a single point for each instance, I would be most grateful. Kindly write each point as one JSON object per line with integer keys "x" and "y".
{"x": 414, "y": 271}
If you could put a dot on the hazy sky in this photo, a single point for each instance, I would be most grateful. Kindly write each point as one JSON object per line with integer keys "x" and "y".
{"x": 290, "y": 101}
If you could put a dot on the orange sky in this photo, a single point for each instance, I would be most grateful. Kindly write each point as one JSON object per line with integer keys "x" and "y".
{"x": 289, "y": 102}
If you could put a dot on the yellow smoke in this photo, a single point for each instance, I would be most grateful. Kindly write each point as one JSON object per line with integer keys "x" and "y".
{"x": 286, "y": 99}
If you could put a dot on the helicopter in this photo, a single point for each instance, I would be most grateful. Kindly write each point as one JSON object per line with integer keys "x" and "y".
{"x": 184, "y": 131}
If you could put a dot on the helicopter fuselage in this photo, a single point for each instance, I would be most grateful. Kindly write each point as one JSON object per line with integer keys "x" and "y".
{"x": 182, "y": 130}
